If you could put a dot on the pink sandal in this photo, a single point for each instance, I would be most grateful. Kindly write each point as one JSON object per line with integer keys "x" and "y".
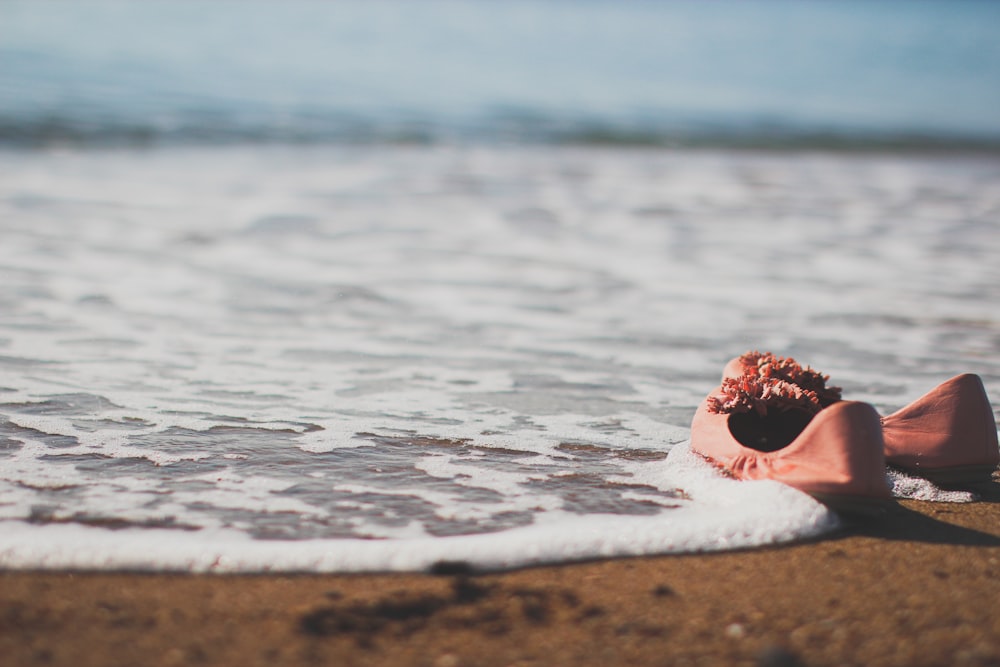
{"x": 948, "y": 435}
{"x": 782, "y": 422}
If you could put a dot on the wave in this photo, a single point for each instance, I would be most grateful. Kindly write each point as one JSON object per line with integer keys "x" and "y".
{"x": 215, "y": 129}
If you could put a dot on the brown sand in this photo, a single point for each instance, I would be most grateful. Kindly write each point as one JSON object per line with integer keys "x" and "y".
{"x": 917, "y": 586}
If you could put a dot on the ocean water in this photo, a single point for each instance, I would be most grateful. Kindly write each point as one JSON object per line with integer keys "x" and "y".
{"x": 269, "y": 309}
{"x": 850, "y": 73}
{"x": 380, "y": 358}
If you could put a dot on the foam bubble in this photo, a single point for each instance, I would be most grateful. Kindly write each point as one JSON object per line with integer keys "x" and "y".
{"x": 917, "y": 488}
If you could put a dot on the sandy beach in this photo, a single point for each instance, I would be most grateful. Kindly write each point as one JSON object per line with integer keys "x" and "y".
{"x": 915, "y": 586}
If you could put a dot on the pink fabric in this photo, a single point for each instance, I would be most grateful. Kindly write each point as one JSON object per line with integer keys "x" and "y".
{"x": 950, "y": 426}
{"x": 839, "y": 452}
{"x": 733, "y": 369}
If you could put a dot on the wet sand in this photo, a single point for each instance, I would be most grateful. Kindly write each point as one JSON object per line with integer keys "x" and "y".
{"x": 919, "y": 585}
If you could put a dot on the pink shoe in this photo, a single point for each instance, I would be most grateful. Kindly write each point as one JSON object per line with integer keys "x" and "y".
{"x": 835, "y": 456}
{"x": 948, "y": 435}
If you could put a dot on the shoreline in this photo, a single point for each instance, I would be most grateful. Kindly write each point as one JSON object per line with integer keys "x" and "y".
{"x": 915, "y": 586}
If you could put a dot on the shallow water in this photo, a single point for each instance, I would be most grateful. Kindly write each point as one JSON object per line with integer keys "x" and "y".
{"x": 243, "y": 356}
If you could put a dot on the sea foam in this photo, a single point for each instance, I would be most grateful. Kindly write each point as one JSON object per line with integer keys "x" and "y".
{"x": 716, "y": 514}
{"x": 381, "y": 358}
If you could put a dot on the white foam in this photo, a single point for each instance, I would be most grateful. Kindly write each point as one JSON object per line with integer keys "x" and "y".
{"x": 917, "y": 488}
{"x": 318, "y": 345}
{"x": 722, "y": 514}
